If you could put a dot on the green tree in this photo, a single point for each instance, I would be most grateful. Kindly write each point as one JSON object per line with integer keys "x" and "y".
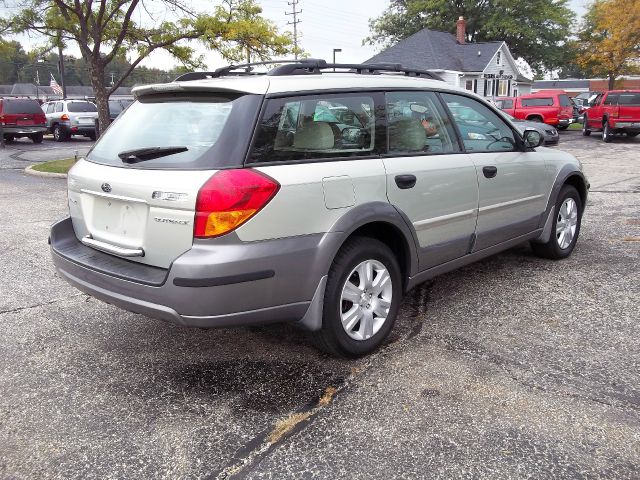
{"x": 609, "y": 39}
{"x": 107, "y": 31}
{"x": 535, "y": 30}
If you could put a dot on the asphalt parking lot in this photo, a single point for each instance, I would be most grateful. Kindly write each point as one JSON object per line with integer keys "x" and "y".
{"x": 514, "y": 367}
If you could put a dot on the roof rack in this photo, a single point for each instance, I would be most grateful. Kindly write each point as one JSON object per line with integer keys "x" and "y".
{"x": 307, "y": 66}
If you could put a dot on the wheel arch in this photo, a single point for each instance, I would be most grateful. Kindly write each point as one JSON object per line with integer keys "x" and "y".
{"x": 578, "y": 182}
{"x": 535, "y": 115}
{"x": 385, "y": 223}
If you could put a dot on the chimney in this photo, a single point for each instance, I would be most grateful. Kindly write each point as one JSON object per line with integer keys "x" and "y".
{"x": 461, "y": 29}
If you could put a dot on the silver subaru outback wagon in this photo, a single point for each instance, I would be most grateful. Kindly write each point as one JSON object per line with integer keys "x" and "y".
{"x": 307, "y": 196}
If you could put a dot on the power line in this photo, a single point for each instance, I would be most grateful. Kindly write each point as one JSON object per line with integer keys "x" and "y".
{"x": 293, "y": 4}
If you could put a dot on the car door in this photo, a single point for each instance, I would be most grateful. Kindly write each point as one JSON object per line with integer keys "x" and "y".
{"x": 513, "y": 184}
{"x": 594, "y": 113}
{"x": 429, "y": 179}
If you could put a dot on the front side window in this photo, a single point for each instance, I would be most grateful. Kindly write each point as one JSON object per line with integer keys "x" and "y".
{"x": 537, "y": 102}
{"x": 312, "y": 127}
{"x": 480, "y": 128}
{"x": 51, "y": 107}
{"x": 565, "y": 101}
{"x": 417, "y": 123}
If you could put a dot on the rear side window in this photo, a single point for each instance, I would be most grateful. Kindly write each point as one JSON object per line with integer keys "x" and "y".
{"x": 417, "y": 122}
{"x": 59, "y": 106}
{"x": 507, "y": 104}
{"x": 481, "y": 129}
{"x": 21, "y": 106}
{"x": 629, "y": 99}
{"x": 315, "y": 127}
{"x": 537, "y": 102}
{"x": 81, "y": 107}
{"x": 214, "y": 128}
{"x": 51, "y": 107}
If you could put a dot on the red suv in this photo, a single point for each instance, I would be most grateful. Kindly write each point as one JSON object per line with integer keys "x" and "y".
{"x": 616, "y": 111}
{"x": 22, "y": 117}
{"x": 552, "y": 107}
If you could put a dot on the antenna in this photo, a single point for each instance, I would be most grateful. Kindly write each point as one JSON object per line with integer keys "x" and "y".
{"x": 294, "y": 12}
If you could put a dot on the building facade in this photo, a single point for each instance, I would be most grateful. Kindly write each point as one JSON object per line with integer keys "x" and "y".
{"x": 486, "y": 68}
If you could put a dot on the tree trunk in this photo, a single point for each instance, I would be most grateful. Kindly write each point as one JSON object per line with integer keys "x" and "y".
{"x": 612, "y": 81}
{"x": 100, "y": 91}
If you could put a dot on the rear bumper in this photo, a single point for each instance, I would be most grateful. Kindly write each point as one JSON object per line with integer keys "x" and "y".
{"x": 219, "y": 283}
{"x": 24, "y": 130}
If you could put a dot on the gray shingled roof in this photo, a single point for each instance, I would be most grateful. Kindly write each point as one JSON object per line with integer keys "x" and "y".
{"x": 560, "y": 84}
{"x": 434, "y": 50}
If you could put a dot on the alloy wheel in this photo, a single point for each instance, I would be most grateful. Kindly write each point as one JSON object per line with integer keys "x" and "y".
{"x": 366, "y": 299}
{"x": 567, "y": 223}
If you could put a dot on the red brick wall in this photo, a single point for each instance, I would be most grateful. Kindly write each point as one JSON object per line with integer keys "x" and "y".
{"x": 624, "y": 84}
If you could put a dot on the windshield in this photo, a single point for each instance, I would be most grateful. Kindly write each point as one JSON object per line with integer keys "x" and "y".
{"x": 196, "y": 122}
{"x": 81, "y": 107}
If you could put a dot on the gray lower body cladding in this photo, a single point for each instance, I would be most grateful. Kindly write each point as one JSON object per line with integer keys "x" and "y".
{"x": 217, "y": 283}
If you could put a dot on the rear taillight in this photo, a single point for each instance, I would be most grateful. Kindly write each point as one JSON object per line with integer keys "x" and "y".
{"x": 64, "y": 117}
{"x": 230, "y": 198}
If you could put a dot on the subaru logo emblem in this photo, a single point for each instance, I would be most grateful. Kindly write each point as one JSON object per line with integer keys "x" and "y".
{"x": 106, "y": 187}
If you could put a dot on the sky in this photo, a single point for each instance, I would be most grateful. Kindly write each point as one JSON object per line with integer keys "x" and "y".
{"x": 324, "y": 25}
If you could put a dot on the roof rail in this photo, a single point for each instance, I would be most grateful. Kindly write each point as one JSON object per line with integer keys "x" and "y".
{"x": 308, "y": 66}
{"x": 238, "y": 69}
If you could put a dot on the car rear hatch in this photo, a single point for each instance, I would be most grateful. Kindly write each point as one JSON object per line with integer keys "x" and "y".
{"x": 629, "y": 107}
{"x": 22, "y": 113}
{"x": 134, "y": 196}
{"x": 82, "y": 113}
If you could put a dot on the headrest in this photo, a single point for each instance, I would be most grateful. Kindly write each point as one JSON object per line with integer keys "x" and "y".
{"x": 406, "y": 135}
{"x": 314, "y": 136}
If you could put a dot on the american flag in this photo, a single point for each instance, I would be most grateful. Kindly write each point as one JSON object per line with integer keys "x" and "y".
{"x": 57, "y": 89}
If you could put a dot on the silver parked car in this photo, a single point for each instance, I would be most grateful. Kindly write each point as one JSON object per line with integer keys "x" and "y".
{"x": 71, "y": 117}
{"x": 548, "y": 132}
{"x": 306, "y": 196}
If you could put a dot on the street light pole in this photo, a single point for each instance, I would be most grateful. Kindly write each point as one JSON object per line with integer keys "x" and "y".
{"x": 335, "y": 50}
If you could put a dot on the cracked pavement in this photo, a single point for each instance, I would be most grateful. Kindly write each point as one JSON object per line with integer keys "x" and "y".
{"x": 514, "y": 367}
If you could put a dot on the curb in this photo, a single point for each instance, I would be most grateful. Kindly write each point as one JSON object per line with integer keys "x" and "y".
{"x": 30, "y": 171}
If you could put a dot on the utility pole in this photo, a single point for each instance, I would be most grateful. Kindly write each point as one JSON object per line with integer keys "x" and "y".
{"x": 294, "y": 4}
{"x": 61, "y": 67}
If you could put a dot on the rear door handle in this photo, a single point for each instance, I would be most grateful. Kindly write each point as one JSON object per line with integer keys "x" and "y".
{"x": 490, "y": 172}
{"x": 405, "y": 181}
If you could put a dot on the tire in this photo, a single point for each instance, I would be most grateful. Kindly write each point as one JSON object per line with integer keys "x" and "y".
{"x": 585, "y": 128}
{"x": 535, "y": 118}
{"x": 633, "y": 134}
{"x": 559, "y": 246}
{"x": 9, "y": 138}
{"x": 92, "y": 136}
{"x": 562, "y": 127}
{"x": 36, "y": 137}
{"x": 354, "y": 339}
{"x": 607, "y": 136}
{"x": 59, "y": 135}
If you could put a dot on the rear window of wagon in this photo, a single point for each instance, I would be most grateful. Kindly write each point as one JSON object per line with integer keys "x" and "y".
{"x": 214, "y": 127}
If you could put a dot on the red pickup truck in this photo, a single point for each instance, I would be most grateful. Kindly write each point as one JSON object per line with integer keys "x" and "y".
{"x": 613, "y": 112}
{"x": 552, "y": 107}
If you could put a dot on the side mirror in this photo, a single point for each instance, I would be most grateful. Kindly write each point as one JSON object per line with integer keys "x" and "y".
{"x": 532, "y": 138}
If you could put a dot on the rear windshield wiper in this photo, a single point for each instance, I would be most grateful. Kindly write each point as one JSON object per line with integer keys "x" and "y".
{"x": 148, "y": 153}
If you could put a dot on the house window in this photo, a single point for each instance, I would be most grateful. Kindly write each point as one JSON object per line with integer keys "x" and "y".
{"x": 498, "y": 58}
{"x": 503, "y": 88}
{"x": 469, "y": 85}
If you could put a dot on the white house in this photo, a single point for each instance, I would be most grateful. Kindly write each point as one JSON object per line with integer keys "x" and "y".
{"x": 486, "y": 68}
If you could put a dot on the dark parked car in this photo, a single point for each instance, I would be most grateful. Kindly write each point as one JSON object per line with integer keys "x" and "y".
{"x": 117, "y": 106}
